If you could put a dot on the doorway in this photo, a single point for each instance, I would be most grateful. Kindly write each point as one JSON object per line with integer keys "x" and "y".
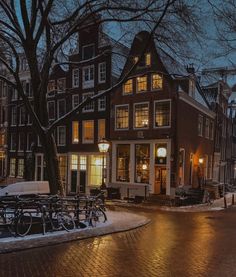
{"x": 160, "y": 180}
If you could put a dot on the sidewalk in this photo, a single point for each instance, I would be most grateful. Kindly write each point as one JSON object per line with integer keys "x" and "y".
{"x": 117, "y": 222}
{"x": 217, "y": 205}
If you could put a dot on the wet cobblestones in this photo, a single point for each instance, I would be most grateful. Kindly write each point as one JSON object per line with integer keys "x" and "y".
{"x": 174, "y": 244}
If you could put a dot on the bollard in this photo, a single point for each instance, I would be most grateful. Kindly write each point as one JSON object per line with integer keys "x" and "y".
{"x": 232, "y": 199}
{"x": 225, "y": 203}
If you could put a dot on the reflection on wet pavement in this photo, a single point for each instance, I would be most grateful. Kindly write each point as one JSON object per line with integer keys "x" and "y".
{"x": 173, "y": 244}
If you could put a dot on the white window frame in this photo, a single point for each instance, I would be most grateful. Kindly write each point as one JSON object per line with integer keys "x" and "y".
{"x": 19, "y": 142}
{"x": 73, "y": 100}
{"x": 89, "y": 83}
{"x": 58, "y": 101}
{"x": 143, "y": 91}
{"x": 154, "y": 114}
{"x": 58, "y": 137}
{"x": 102, "y": 72}
{"x": 140, "y": 128}
{"x": 83, "y": 132}
{"x": 146, "y": 55}
{"x": 121, "y": 129}
{"x": 75, "y": 80}
{"x": 85, "y": 96}
{"x": 100, "y": 100}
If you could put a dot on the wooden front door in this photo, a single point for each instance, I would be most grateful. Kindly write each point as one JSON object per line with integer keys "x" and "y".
{"x": 160, "y": 180}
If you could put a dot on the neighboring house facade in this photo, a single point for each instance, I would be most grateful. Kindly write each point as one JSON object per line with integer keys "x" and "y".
{"x": 161, "y": 126}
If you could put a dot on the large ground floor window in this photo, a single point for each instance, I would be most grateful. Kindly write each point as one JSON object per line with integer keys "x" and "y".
{"x": 123, "y": 163}
{"x": 142, "y": 163}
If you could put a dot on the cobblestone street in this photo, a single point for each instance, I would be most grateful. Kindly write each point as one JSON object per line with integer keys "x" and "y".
{"x": 173, "y": 244}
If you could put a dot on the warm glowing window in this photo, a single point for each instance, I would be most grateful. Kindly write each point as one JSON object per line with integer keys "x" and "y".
{"x": 142, "y": 158}
{"x": 123, "y": 163}
{"x": 88, "y": 131}
{"x": 157, "y": 81}
{"x": 75, "y": 132}
{"x": 122, "y": 117}
{"x": 21, "y": 142}
{"x": 63, "y": 167}
{"x": 96, "y": 170}
{"x": 142, "y": 84}
{"x": 148, "y": 59}
{"x": 162, "y": 114}
{"x": 102, "y": 103}
{"x": 141, "y": 114}
{"x": 101, "y": 129}
{"x": 13, "y": 115}
{"x": 82, "y": 162}
{"x": 128, "y": 87}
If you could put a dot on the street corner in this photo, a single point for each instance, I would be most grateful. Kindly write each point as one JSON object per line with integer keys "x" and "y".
{"x": 118, "y": 221}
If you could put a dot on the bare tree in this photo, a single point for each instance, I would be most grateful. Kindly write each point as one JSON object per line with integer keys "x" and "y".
{"x": 43, "y": 31}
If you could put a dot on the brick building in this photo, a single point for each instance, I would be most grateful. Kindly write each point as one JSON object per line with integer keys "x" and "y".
{"x": 162, "y": 129}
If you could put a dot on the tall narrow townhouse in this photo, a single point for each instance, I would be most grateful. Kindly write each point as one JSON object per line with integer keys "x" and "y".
{"x": 161, "y": 125}
{"x": 94, "y": 66}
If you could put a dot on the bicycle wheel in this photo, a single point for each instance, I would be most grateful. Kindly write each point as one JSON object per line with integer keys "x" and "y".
{"x": 93, "y": 218}
{"x": 66, "y": 221}
{"x": 102, "y": 217}
{"x": 23, "y": 224}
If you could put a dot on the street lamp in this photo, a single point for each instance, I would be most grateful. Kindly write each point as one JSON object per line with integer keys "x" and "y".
{"x": 103, "y": 147}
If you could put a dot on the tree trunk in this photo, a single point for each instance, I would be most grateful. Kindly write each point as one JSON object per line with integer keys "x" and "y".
{"x": 52, "y": 164}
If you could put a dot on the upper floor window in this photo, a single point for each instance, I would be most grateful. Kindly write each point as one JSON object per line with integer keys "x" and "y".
{"x": 61, "y": 135}
{"x": 21, "y": 142}
{"x": 88, "y": 51}
{"x": 51, "y": 110}
{"x": 88, "y": 131}
{"x": 102, "y": 72}
{"x": 102, "y": 103}
{"x": 51, "y": 87}
{"x": 23, "y": 64}
{"x": 61, "y": 85}
{"x": 13, "y": 115}
{"x": 200, "y": 125}
{"x": 207, "y": 130}
{"x": 148, "y": 59}
{"x": 61, "y": 107}
{"x": 29, "y": 142}
{"x": 22, "y": 119}
{"x": 28, "y": 90}
{"x": 141, "y": 84}
{"x": 122, "y": 117}
{"x": 128, "y": 87}
{"x": 13, "y": 141}
{"x": 162, "y": 113}
{"x": 90, "y": 106}
{"x": 88, "y": 76}
{"x": 75, "y": 132}
{"x": 14, "y": 94}
{"x": 211, "y": 131}
{"x": 157, "y": 81}
{"x": 75, "y": 100}
{"x": 141, "y": 115}
{"x": 75, "y": 77}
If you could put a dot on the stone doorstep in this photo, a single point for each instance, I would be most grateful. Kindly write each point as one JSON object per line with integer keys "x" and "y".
{"x": 120, "y": 222}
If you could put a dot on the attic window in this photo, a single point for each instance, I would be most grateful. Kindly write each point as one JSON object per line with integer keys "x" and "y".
{"x": 88, "y": 51}
{"x": 148, "y": 59}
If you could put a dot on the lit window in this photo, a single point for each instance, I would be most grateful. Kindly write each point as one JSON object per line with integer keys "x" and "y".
{"x": 141, "y": 84}
{"x": 75, "y": 132}
{"x": 95, "y": 178}
{"x": 20, "y": 171}
{"x": 123, "y": 163}
{"x": 88, "y": 76}
{"x": 88, "y": 131}
{"x": 82, "y": 162}
{"x": 207, "y": 130}
{"x": 162, "y": 114}
{"x": 61, "y": 85}
{"x": 128, "y": 87}
{"x": 102, "y": 72}
{"x": 61, "y": 135}
{"x": 200, "y": 125}
{"x": 12, "y": 172}
{"x": 157, "y": 81}
{"x": 13, "y": 115}
{"x": 90, "y": 106}
{"x": 75, "y": 77}
{"x": 61, "y": 107}
{"x": 75, "y": 100}
{"x": 101, "y": 129}
{"x": 51, "y": 110}
{"x": 51, "y": 86}
{"x": 63, "y": 168}
{"x": 142, "y": 158}
{"x": 102, "y": 103}
{"x": 141, "y": 115}
{"x": 122, "y": 117}
{"x": 148, "y": 59}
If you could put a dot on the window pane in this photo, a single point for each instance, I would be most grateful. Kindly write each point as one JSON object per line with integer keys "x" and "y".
{"x": 90, "y": 106}
{"x": 141, "y": 115}
{"x": 102, "y": 72}
{"x": 122, "y": 117}
{"x": 157, "y": 81}
{"x": 162, "y": 114}
{"x": 88, "y": 131}
{"x": 75, "y": 132}
{"x": 20, "y": 172}
{"x": 75, "y": 77}
{"x": 96, "y": 170}
{"x": 148, "y": 59}
{"x": 123, "y": 162}
{"x": 128, "y": 87}
{"x": 61, "y": 135}
{"x": 142, "y": 158}
{"x": 12, "y": 167}
{"x": 101, "y": 129}
{"x": 142, "y": 84}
